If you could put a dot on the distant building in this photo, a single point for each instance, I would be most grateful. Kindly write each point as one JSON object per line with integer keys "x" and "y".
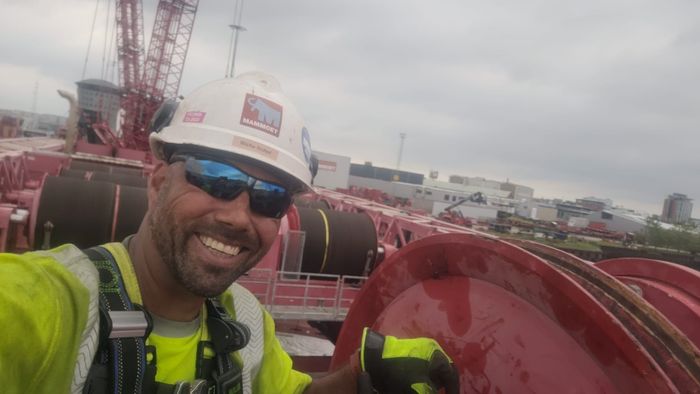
{"x": 677, "y": 209}
{"x": 568, "y": 210}
{"x": 475, "y": 181}
{"x": 43, "y": 125}
{"x": 433, "y": 196}
{"x": 99, "y": 101}
{"x": 544, "y": 212}
{"x": 367, "y": 170}
{"x": 333, "y": 171}
{"x": 469, "y": 210}
{"x": 462, "y": 191}
{"x": 517, "y": 192}
{"x": 10, "y": 126}
{"x": 538, "y": 210}
{"x": 594, "y": 203}
{"x": 33, "y": 124}
{"x": 617, "y": 220}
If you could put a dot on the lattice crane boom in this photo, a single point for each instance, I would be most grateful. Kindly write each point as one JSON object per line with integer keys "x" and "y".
{"x": 168, "y": 48}
{"x": 146, "y": 84}
{"x": 129, "y": 18}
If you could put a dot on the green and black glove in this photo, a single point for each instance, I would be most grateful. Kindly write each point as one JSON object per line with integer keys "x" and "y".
{"x": 391, "y": 365}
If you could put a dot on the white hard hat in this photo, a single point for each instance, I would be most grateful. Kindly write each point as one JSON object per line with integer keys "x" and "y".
{"x": 247, "y": 116}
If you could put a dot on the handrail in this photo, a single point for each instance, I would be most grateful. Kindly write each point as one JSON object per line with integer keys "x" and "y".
{"x": 303, "y": 295}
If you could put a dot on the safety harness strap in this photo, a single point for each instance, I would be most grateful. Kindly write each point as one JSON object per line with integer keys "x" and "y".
{"x": 227, "y": 336}
{"x": 121, "y": 366}
{"x": 121, "y": 359}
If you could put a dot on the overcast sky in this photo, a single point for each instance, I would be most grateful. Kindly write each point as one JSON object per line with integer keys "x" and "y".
{"x": 595, "y": 97}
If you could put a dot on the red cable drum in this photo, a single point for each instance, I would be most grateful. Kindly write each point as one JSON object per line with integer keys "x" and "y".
{"x": 340, "y": 243}
{"x": 80, "y": 211}
{"x": 511, "y": 321}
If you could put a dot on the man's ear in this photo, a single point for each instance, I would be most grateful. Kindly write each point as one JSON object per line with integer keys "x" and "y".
{"x": 156, "y": 182}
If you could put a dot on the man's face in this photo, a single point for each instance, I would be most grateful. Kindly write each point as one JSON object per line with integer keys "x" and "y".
{"x": 206, "y": 243}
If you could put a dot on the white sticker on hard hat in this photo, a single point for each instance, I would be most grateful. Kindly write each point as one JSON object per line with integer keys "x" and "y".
{"x": 256, "y": 147}
{"x": 262, "y": 114}
{"x": 194, "y": 117}
{"x": 306, "y": 144}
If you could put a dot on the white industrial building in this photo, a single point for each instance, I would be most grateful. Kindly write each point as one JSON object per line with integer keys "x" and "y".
{"x": 516, "y": 191}
{"x": 333, "y": 171}
{"x": 35, "y": 124}
{"x": 475, "y": 181}
{"x": 396, "y": 189}
{"x": 538, "y": 210}
{"x": 462, "y": 189}
{"x": 433, "y": 196}
{"x": 469, "y": 210}
{"x": 621, "y": 220}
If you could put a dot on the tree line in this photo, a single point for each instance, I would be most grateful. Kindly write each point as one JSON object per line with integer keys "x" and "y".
{"x": 681, "y": 237}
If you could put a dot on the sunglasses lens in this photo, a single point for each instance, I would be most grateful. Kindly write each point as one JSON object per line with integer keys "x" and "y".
{"x": 269, "y": 199}
{"x": 217, "y": 179}
{"x": 226, "y": 182}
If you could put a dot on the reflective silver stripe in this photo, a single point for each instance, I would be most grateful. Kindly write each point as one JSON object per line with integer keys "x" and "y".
{"x": 249, "y": 312}
{"x": 80, "y": 265}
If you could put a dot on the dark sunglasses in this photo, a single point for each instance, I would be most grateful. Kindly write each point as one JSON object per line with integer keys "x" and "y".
{"x": 226, "y": 182}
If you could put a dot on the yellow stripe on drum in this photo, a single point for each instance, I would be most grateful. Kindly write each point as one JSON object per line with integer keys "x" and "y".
{"x": 325, "y": 250}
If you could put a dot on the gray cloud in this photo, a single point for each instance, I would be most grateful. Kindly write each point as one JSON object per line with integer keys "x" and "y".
{"x": 572, "y": 98}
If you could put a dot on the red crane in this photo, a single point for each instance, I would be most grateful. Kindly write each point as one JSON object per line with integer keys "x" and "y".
{"x": 146, "y": 84}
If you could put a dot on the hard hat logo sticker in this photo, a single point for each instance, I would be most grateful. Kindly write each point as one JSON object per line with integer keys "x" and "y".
{"x": 306, "y": 144}
{"x": 262, "y": 114}
{"x": 194, "y": 117}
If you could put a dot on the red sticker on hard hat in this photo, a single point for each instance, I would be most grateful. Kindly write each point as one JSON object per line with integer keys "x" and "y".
{"x": 262, "y": 114}
{"x": 194, "y": 117}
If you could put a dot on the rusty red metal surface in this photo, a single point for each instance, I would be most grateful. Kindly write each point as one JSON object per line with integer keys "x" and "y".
{"x": 672, "y": 350}
{"x": 511, "y": 321}
{"x": 672, "y": 289}
{"x": 395, "y": 227}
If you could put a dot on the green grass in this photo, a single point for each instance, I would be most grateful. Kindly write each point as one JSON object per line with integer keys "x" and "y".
{"x": 576, "y": 245}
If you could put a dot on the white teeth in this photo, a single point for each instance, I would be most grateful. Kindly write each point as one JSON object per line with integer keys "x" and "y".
{"x": 219, "y": 246}
{"x": 232, "y": 250}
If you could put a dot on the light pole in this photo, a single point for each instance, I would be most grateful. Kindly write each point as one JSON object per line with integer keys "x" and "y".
{"x": 236, "y": 27}
{"x": 403, "y": 137}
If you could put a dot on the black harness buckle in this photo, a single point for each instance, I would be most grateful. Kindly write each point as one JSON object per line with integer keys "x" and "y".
{"x": 229, "y": 382}
{"x": 227, "y": 335}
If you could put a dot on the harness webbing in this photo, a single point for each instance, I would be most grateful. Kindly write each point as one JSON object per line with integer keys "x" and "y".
{"x": 113, "y": 297}
{"x": 121, "y": 366}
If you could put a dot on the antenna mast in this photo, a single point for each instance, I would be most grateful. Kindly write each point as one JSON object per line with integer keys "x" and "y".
{"x": 236, "y": 27}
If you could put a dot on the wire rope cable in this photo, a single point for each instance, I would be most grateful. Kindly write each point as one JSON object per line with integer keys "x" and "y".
{"x": 105, "y": 50}
{"x": 92, "y": 31}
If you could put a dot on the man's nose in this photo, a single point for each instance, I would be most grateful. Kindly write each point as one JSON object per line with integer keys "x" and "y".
{"x": 235, "y": 213}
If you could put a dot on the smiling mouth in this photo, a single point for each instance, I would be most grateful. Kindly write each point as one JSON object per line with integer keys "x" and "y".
{"x": 211, "y": 243}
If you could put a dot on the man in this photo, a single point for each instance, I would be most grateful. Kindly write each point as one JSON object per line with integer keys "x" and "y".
{"x": 230, "y": 157}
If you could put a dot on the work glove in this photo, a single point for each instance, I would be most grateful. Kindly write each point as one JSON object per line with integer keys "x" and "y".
{"x": 389, "y": 365}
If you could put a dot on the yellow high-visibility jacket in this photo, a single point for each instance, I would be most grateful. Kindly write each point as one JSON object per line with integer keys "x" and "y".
{"x": 49, "y": 328}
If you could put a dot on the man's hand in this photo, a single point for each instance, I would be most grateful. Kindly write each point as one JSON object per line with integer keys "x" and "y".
{"x": 395, "y": 365}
